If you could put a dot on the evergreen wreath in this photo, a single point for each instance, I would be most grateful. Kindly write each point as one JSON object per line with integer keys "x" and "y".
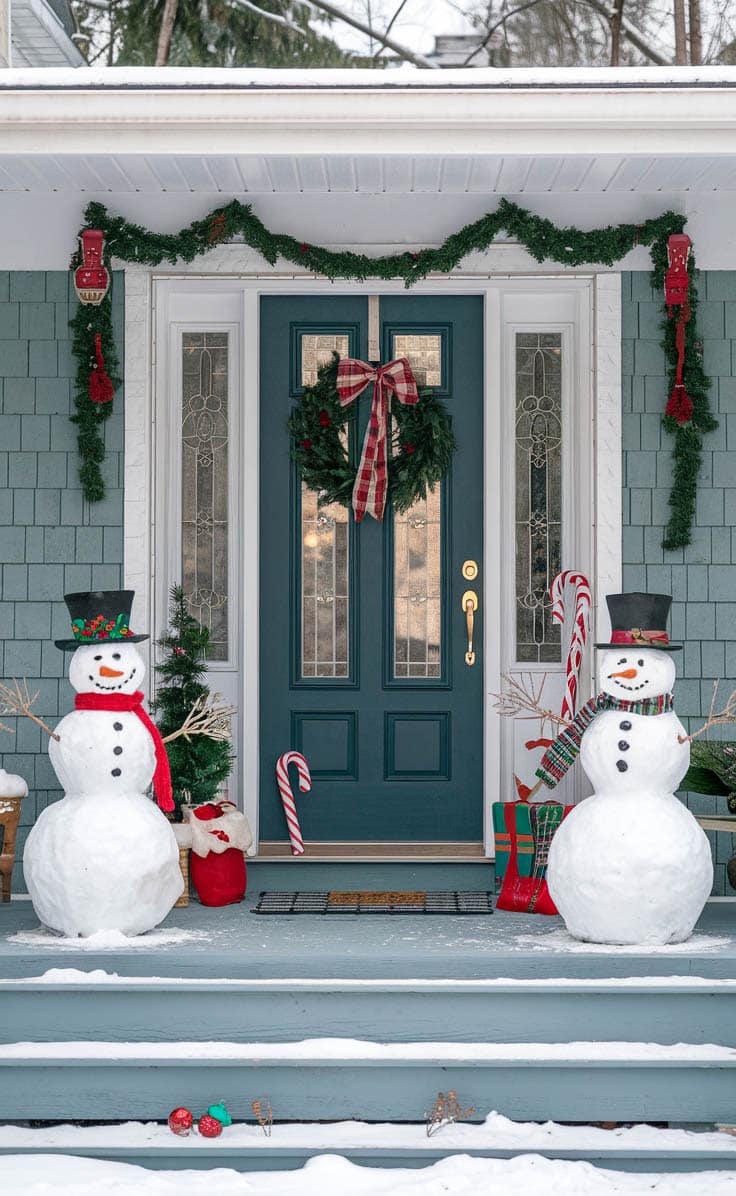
{"x": 422, "y": 443}
{"x": 130, "y": 242}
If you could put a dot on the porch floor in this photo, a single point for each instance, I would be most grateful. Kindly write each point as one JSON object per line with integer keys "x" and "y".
{"x": 199, "y": 942}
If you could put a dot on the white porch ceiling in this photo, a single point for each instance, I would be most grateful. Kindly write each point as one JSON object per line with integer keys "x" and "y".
{"x": 365, "y": 174}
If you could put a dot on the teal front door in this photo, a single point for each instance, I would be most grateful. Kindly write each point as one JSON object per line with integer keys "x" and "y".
{"x": 363, "y": 633}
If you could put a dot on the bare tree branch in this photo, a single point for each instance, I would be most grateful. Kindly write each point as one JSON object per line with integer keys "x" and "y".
{"x": 715, "y": 717}
{"x": 408, "y": 55}
{"x": 631, "y": 33}
{"x": 271, "y": 16}
{"x": 502, "y": 21}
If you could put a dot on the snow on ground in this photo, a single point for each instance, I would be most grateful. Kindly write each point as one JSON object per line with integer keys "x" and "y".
{"x": 71, "y": 976}
{"x": 561, "y": 940}
{"x": 460, "y": 1175}
{"x": 106, "y": 940}
{"x": 495, "y": 1133}
{"x": 354, "y": 1049}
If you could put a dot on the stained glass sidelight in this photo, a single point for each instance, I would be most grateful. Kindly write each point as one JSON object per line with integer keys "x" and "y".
{"x": 317, "y": 350}
{"x": 325, "y": 601}
{"x": 538, "y": 457}
{"x": 204, "y": 471}
{"x": 417, "y": 589}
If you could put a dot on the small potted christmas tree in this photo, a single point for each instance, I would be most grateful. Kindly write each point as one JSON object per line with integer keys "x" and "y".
{"x": 199, "y": 762}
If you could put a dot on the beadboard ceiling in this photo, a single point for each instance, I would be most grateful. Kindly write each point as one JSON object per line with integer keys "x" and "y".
{"x": 293, "y": 175}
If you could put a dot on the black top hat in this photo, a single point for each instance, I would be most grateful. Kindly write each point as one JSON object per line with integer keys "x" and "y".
{"x": 100, "y": 617}
{"x": 639, "y": 620}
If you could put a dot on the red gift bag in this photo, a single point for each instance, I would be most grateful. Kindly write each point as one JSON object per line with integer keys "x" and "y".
{"x": 219, "y": 879}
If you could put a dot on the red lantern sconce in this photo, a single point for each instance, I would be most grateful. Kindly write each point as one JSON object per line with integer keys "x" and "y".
{"x": 92, "y": 279}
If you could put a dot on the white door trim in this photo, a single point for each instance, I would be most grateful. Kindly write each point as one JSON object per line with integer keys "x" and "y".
{"x": 143, "y": 358}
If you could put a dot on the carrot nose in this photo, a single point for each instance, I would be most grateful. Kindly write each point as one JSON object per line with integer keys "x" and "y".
{"x": 628, "y": 673}
{"x": 106, "y": 672}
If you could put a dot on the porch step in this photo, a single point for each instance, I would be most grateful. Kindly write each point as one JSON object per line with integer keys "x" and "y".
{"x": 326, "y": 1079}
{"x": 245, "y": 1148}
{"x": 89, "y": 1006}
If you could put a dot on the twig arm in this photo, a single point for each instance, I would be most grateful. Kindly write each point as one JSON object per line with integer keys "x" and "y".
{"x": 15, "y": 699}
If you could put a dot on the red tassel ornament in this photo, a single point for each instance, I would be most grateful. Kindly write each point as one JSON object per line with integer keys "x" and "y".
{"x": 679, "y": 405}
{"x": 101, "y": 389}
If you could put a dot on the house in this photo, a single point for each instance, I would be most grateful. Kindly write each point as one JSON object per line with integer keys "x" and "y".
{"x": 358, "y": 645}
{"x": 37, "y": 33}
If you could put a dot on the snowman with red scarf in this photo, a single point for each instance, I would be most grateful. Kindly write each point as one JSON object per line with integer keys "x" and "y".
{"x": 104, "y": 857}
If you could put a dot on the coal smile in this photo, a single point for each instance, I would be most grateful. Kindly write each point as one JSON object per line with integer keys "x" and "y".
{"x": 110, "y": 688}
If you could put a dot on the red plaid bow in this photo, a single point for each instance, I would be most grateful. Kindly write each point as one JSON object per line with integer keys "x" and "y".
{"x": 371, "y": 480}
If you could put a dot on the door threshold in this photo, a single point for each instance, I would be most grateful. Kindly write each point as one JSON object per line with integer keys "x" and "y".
{"x": 370, "y": 852}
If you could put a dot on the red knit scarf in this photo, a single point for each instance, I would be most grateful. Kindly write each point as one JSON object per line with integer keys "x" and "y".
{"x": 132, "y": 704}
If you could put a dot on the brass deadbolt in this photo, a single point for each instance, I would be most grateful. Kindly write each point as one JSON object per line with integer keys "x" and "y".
{"x": 470, "y": 570}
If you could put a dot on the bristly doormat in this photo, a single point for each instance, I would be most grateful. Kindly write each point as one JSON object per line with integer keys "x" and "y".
{"x": 369, "y": 902}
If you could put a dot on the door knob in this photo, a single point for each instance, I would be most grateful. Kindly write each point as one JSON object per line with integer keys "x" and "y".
{"x": 470, "y": 606}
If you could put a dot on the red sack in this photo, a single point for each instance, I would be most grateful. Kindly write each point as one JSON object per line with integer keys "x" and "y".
{"x": 219, "y": 879}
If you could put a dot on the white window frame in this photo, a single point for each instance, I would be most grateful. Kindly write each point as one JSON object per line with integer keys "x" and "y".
{"x": 151, "y": 302}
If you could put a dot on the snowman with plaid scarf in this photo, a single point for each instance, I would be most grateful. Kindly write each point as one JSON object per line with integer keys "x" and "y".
{"x": 629, "y": 864}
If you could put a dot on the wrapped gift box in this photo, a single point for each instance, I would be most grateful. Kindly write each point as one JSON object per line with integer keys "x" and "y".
{"x": 523, "y": 832}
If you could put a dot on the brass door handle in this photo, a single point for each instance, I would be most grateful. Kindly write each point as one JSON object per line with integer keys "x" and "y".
{"x": 470, "y": 606}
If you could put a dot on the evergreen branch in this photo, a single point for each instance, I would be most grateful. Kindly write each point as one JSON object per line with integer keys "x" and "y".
{"x": 17, "y": 700}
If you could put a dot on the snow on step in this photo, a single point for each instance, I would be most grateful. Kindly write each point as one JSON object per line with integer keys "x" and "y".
{"x": 495, "y": 1133}
{"x": 326, "y": 1051}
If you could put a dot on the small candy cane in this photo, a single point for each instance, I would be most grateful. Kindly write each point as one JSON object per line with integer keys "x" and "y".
{"x": 579, "y": 630}
{"x": 287, "y": 797}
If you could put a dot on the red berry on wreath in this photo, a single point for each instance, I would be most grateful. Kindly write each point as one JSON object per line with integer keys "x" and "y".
{"x": 306, "y": 444}
{"x": 209, "y": 1127}
{"x": 324, "y": 418}
{"x": 180, "y": 1121}
{"x": 408, "y": 448}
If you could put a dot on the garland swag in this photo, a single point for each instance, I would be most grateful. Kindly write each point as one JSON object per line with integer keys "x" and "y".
{"x": 543, "y": 240}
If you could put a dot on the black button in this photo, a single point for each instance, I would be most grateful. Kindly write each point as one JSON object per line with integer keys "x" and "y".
{"x": 625, "y": 725}
{"x": 621, "y": 765}
{"x": 117, "y": 771}
{"x": 117, "y": 726}
{"x": 117, "y": 751}
{"x": 623, "y": 746}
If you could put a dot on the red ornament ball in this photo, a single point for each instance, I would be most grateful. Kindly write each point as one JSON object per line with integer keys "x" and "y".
{"x": 209, "y": 1127}
{"x": 306, "y": 444}
{"x": 324, "y": 418}
{"x": 180, "y": 1121}
{"x": 408, "y": 448}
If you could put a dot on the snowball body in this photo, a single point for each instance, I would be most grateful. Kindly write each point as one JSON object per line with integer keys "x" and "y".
{"x": 630, "y": 864}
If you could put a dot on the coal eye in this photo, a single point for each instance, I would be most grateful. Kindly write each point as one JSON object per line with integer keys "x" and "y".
{"x": 640, "y": 663}
{"x": 98, "y": 658}
{"x": 116, "y": 656}
{"x": 622, "y": 660}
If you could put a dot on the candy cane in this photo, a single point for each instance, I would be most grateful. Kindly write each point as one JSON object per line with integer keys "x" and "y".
{"x": 287, "y": 797}
{"x": 579, "y": 630}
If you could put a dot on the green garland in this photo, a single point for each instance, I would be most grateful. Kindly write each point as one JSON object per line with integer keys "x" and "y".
{"x": 542, "y": 239}
{"x": 423, "y": 444}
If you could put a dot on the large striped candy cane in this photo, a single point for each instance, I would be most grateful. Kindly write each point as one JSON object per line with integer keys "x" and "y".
{"x": 579, "y": 630}
{"x": 287, "y": 797}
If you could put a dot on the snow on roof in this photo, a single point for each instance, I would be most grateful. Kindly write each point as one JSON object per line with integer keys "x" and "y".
{"x": 521, "y": 78}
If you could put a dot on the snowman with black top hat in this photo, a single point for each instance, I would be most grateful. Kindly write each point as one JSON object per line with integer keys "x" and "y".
{"x": 105, "y": 857}
{"x": 629, "y": 864}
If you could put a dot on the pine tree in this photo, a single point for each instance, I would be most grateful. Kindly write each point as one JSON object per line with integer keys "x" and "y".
{"x": 198, "y": 765}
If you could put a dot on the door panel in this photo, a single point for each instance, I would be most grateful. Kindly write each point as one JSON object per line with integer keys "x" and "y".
{"x": 363, "y": 636}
